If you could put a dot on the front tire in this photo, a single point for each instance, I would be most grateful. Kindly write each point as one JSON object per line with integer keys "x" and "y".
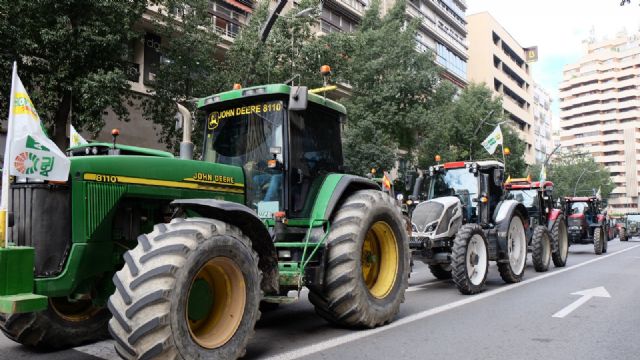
{"x": 470, "y": 259}
{"x": 541, "y": 248}
{"x": 441, "y": 271}
{"x": 64, "y": 324}
{"x": 560, "y": 242}
{"x": 190, "y": 290}
{"x": 623, "y": 234}
{"x": 512, "y": 271}
{"x": 598, "y": 245}
{"x": 368, "y": 261}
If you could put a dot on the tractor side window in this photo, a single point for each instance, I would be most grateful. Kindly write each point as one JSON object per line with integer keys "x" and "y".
{"x": 316, "y": 150}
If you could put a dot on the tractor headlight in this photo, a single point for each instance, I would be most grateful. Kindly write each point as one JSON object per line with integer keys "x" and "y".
{"x": 431, "y": 171}
{"x": 474, "y": 168}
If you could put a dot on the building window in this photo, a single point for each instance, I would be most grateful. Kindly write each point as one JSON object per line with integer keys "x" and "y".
{"x": 451, "y": 61}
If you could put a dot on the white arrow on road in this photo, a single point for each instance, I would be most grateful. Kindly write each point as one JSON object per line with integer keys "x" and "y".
{"x": 586, "y": 296}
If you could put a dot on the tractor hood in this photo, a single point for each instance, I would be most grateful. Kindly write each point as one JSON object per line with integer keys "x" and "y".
{"x": 576, "y": 216}
{"x": 436, "y": 218}
{"x": 160, "y": 172}
{"x": 100, "y": 148}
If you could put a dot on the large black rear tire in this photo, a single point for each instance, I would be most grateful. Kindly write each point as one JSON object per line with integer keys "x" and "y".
{"x": 560, "y": 244}
{"x": 512, "y": 270}
{"x": 440, "y": 271}
{"x": 367, "y": 262}
{"x": 189, "y": 290}
{"x": 63, "y": 325}
{"x": 541, "y": 248}
{"x": 598, "y": 241}
{"x": 470, "y": 259}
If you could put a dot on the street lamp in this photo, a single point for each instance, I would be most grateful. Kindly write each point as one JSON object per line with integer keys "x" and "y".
{"x": 580, "y": 177}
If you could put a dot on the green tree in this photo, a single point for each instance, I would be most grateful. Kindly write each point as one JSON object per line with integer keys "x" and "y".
{"x": 188, "y": 67}
{"x": 392, "y": 88}
{"x": 71, "y": 56}
{"x": 459, "y": 122}
{"x": 287, "y": 52}
{"x": 576, "y": 172}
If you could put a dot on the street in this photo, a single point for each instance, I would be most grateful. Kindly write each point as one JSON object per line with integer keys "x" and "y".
{"x": 504, "y": 322}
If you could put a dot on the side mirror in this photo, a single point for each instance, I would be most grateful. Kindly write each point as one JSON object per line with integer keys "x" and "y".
{"x": 298, "y": 98}
{"x": 498, "y": 176}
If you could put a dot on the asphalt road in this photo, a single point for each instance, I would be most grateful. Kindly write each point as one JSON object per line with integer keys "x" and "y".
{"x": 504, "y": 322}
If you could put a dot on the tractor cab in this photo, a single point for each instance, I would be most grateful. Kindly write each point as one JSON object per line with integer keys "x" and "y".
{"x": 260, "y": 128}
{"x": 477, "y": 185}
{"x": 586, "y": 222}
{"x": 537, "y": 197}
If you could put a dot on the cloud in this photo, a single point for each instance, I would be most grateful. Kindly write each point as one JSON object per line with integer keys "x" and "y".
{"x": 558, "y": 28}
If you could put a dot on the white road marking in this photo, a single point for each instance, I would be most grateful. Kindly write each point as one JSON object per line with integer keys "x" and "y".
{"x": 331, "y": 343}
{"x": 586, "y": 295}
{"x": 102, "y": 350}
{"x": 420, "y": 287}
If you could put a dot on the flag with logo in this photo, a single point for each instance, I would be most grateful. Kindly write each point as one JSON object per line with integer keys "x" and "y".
{"x": 543, "y": 174}
{"x": 493, "y": 140}
{"x": 75, "y": 139}
{"x": 31, "y": 153}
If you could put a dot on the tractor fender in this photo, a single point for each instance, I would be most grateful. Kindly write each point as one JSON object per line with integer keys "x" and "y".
{"x": 502, "y": 216}
{"x": 553, "y": 216}
{"x": 334, "y": 189}
{"x": 251, "y": 225}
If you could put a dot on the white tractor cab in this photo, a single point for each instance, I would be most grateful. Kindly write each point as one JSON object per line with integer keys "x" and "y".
{"x": 465, "y": 223}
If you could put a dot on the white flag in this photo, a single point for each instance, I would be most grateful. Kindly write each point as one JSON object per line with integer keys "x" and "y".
{"x": 75, "y": 139}
{"x": 31, "y": 153}
{"x": 493, "y": 140}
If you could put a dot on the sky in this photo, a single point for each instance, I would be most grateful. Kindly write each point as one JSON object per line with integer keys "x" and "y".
{"x": 558, "y": 28}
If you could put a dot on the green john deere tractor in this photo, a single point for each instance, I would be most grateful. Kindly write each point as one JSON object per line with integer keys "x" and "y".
{"x": 176, "y": 255}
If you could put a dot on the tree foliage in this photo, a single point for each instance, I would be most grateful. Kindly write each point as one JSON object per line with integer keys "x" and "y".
{"x": 461, "y": 121}
{"x": 188, "y": 68}
{"x": 71, "y": 56}
{"x": 577, "y": 173}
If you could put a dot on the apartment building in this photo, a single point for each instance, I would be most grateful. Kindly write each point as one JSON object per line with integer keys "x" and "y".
{"x": 443, "y": 30}
{"x": 542, "y": 131}
{"x": 498, "y": 60}
{"x": 600, "y": 112}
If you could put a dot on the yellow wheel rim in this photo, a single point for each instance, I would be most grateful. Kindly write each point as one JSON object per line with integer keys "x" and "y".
{"x": 213, "y": 323}
{"x": 73, "y": 311}
{"x": 379, "y": 259}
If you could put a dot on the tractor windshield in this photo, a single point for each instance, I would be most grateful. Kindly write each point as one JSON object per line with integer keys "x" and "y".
{"x": 579, "y": 208}
{"x": 454, "y": 182}
{"x": 525, "y": 197}
{"x": 251, "y": 136}
{"x": 635, "y": 218}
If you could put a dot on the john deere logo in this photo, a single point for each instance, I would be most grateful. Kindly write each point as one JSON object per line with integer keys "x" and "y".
{"x": 26, "y": 163}
{"x": 213, "y": 120}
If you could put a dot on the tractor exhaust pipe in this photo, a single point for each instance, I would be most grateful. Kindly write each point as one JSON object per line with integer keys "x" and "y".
{"x": 186, "y": 146}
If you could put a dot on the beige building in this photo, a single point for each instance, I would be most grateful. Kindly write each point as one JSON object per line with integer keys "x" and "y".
{"x": 496, "y": 59}
{"x": 600, "y": 112}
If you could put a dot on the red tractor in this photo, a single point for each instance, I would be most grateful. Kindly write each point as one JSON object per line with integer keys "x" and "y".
{"x": 586, "y": 222}
{"x": 547, "y": 234}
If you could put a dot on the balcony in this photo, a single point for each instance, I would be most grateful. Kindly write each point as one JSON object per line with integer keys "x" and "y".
{"x": 355, "y": 7}
{"x": 429, "y": 25}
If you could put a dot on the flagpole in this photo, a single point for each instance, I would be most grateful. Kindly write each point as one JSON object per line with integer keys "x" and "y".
{"x": 4, "y": 199}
